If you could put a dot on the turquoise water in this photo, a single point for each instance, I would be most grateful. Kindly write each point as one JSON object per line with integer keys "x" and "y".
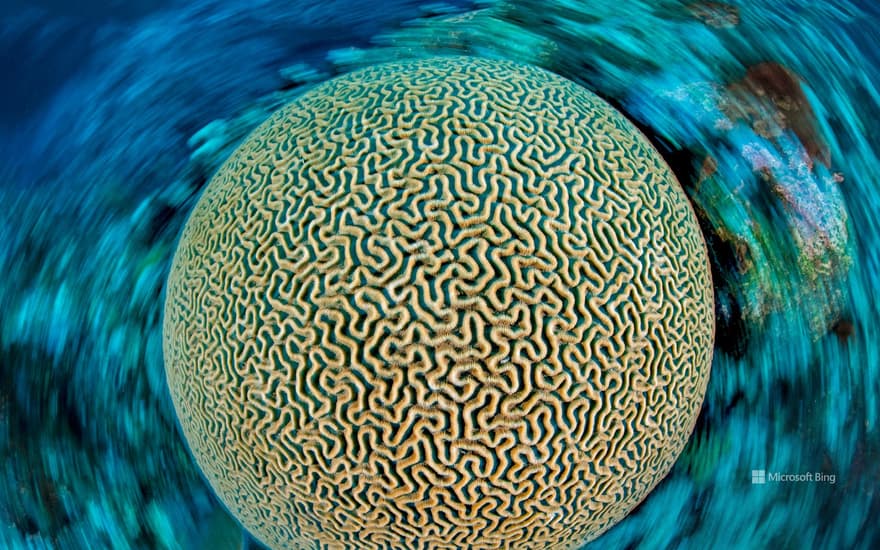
{"x": 113, "y": 119}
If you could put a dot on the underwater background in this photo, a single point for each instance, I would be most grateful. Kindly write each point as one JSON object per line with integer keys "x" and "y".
{"x": 114, "y": 115}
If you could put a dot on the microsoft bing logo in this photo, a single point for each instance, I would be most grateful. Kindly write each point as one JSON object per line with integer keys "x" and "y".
{"x": 763, "y": 477}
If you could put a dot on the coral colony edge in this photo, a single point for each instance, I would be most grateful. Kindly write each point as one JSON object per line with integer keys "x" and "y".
{"x": 444, "y": 303}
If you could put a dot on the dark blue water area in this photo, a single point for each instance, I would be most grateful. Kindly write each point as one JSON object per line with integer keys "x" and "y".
{"x": 44, "y": 43}
{"x": 128, "y": 81}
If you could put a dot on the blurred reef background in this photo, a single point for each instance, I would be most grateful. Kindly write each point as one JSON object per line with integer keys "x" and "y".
{"x": 113, "y": 116}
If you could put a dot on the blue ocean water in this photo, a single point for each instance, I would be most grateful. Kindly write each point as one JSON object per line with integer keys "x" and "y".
{"x": 115, "y": 114}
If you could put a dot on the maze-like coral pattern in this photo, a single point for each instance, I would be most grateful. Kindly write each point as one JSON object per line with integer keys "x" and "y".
{"x": 450, "y": 303}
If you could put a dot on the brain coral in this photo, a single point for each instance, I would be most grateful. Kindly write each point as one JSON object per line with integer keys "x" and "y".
{"x": 444, "y": 303}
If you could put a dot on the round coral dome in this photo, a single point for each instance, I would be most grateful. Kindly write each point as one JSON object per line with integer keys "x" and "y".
{"x": 446, "y": 303}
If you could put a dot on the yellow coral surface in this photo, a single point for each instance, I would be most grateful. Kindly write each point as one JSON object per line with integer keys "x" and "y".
{"x": 446, "y": 303}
